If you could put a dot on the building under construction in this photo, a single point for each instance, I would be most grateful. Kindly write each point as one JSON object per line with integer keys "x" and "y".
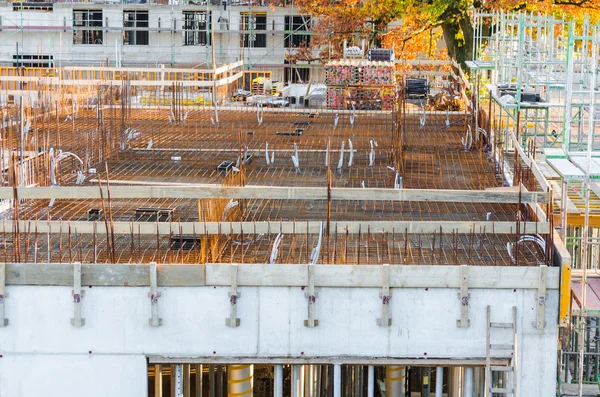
{"x": 160, "y": 239}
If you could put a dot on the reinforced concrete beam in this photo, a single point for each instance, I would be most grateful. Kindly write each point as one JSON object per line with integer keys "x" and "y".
{"x": 347, "y": 360}
{"x": 283, "y": 275}
{"x": 285, "y": 227}
{"x": 276, "y": 193}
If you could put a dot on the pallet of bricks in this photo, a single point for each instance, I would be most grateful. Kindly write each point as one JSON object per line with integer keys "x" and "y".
{"x": 366, "y": 98}
{"x": 336, "y": 98}
{"x": 362, "y": 76}
{"x": 377, "y": 73}
{"x": 342, "y": 73}
{"x": 388, "y": 98}
{"x": 338, "y": 75}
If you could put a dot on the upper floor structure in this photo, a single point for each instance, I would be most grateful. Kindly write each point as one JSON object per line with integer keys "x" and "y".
{"x": 140, "y": 33}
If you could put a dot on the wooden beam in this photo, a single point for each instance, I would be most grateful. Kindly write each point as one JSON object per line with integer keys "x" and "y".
{"x": 539, "y": 176}
{"x": 286, "y": 227}
{"x": 427, "y": 73}
{"x": 98, "y": 69}
{"x": 282, "y": 275}
{"x": 423, "y": 62}
{"x": 276, "y": 193}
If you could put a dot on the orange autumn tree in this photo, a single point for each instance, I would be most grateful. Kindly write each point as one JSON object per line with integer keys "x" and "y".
{"x": 419, "y": 25}
{"x": 414, "y": 36}
{"x": 339, "y": 20}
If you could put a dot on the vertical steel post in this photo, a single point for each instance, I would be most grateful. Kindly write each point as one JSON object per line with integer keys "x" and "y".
{"x": 439, "y": 381}
{"x": 371, "y": 382}
{"x": 337, "y": 380}
{"x": 240, "y": 380}
{"x": 468, "y": 381}
{"x": 278, "y": 381}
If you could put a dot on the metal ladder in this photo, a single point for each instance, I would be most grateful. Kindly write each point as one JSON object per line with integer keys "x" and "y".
{"x": 501, "y": 372}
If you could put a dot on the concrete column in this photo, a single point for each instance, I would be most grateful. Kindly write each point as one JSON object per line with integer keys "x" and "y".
{"x": 158, "y": 383}
{"x": 278, "y": 381}
{"x": 468, "y": 382}
{"x": 395, "y": 380}
{"x": 337, "y": 380}
{"x": 439, "y": 381}
{"x": 371, "y": 382}
{"x": 240, "y": 382}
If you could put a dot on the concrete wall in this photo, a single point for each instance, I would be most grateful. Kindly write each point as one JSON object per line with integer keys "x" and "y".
{"x": 42, "y": 354}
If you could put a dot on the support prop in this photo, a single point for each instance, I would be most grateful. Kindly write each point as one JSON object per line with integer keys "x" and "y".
{"x": 386, "y": 295}
{"x": 232, "y": 321}
{"x": 311, "y": 295}
{"x": 464, "y": 296}
{"x": 154, "y": 321}
{"x": 540, "y": 322}
{"x": 78, "y": 293}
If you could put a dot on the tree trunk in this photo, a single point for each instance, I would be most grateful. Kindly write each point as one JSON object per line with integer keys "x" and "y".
{"x": 460, "y": 49}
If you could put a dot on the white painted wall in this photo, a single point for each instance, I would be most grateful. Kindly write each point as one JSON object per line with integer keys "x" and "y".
{"x": 42, "y": 354}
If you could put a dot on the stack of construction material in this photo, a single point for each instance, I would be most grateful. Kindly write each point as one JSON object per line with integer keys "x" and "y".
{"x": 365, "y": 99}
{"x": 388, "y": 98}
{"x": 378, "y": 73}
{"x": 353, "y": 72}
{"x": 417, "y": 88}
{"x": 341, "y": 73}
{"x": 261, "y": 86}
{"x": 336, "y": 98}
{"x": 381, "y": 54}
{"x": 365, "y": 81}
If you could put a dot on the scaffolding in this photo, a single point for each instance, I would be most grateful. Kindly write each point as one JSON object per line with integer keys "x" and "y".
{"x": 540, "y": 76}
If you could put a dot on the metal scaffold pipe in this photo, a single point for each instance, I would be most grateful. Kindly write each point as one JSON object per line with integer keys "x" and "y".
{"x": 240, "y": 380}
{"x": 395, "y": 380}
{"x": 371, "y": 382}
{"x": 337, "y": 380}
{"x": 439, "y": 381}
{"x": 297, "y": 380}
{"x": 278, "y": 381}
{"x": 468, "y": 382}
{"x": 456, "y": 377}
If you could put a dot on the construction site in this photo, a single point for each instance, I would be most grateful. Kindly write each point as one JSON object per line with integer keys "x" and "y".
{"x": 355, "y": 237}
